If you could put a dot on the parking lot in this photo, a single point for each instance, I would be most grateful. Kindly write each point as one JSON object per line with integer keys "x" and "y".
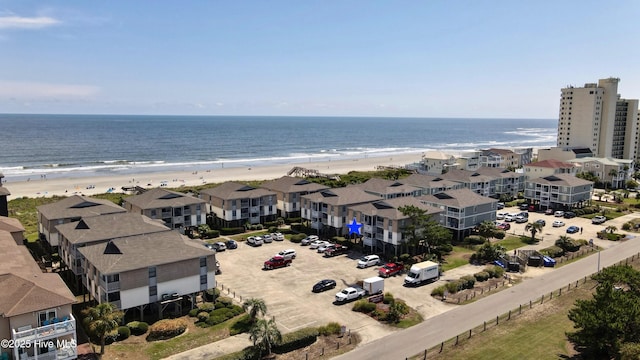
{"x": 287, "y": 291}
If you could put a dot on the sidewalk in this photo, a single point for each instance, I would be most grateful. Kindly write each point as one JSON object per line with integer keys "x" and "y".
{"x": 215, "y": 349}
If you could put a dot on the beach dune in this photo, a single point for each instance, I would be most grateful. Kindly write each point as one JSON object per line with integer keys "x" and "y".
{"x": 114, "y": 183}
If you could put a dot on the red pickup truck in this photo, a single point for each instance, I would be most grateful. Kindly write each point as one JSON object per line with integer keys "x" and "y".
{"x": 390, "y": 269}
{"x": 276, "y": 262}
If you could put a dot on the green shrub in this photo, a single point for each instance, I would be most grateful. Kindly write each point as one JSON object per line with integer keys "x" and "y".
{"x": 166, "y": 329}
{"x": 237, "y": 310}
{"x": 123, "y": 333}
{"x": 627, "y": 226}
{"x": 481, "y": 276}
{"x": 499, "y": 235}
{"x": 211, "y": 294}
{"x": 241, "y": 326}
{"x": 468, "y": 281}
{"x": 296, "y": 340}
{"x": 475, "y": 240}
{"x": 223, "y": 312}
{"x": 494, "y": 271}
{"x": 206, "y": 307}
{"x": 194, "y": 312}
{"x": 364, "y": 306}
{"x": 227, "y": 301}
{"x": 203, "y": 316}
{"x": 297, "y": 238}
{"x": 332, "y": 328}
{"x": 138, "y": 327}
{"x": 232, "y": 231}
{"x": 219, "y": 305}
{"x": 388, "y": 298}
{"x": 406, "y": 258}
{"x": 552, "y": 251}
{"x": 439, "y": 291}
{"x": 453, "y": 286}
{"x": 380, "y": 314}
{"x": 215, "y": 320}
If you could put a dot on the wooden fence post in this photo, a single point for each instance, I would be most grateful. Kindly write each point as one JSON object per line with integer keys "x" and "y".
{"x": 485, "y": 326}
{"x": 509, "y": 318}
{"x": 520, "y": 311}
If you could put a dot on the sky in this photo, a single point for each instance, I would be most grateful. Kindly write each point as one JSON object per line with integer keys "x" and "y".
{"x": 467, "y": 58}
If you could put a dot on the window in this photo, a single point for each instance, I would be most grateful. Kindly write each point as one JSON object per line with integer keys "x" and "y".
{"x": 203, "y": 262}
{"x": 154, "y": 213}
{"x": 153, "y": 290}
{"x": 113, "y": 278}
{"x": 46, "y": 316}
{"x": 114, "y": 296}
{"x": 152, "y": 272}
{"x": 203, "y": 279}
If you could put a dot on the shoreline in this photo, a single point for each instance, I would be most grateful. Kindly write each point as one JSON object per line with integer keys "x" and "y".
{"x": 98, "y": 184}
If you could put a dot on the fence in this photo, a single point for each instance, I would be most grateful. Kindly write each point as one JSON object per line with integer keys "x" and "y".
{"x": 508, "y": 315}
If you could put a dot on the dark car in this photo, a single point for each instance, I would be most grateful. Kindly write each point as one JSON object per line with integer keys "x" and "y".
{"x": 324, "y": 285}
{"x": 524, "y": 206}
{"x": 569, "y": 214}
{"x": 500, "y": 206}
{"x": 572, "y": 229}
{"x": 541, "y": 222}
{"x": 232, "y": 244}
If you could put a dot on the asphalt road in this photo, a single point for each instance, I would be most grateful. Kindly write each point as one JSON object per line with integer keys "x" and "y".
{"x": 440, "y": 328}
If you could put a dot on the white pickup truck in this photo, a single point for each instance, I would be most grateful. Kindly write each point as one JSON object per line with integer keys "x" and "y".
{"x": 350, "y": 293}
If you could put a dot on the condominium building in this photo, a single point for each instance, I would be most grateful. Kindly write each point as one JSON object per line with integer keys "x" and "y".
{"x": 558, "y": 191}
{"x": 176, "y": 210}
{"x": 595, "y": 116}
{"x": 288, "y": 191}
{"x": 234, "y": 205}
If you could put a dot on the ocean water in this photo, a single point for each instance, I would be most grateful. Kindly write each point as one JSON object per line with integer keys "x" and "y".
{"x": 85, "y": 145}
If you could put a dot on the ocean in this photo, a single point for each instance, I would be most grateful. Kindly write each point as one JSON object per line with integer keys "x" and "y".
{"x": 86, "y": 145}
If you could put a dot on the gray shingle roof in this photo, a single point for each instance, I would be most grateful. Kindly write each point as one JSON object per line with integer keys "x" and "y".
{"x": 389, "y": 208}
{"x": 78, "y": 206}
{"x": 232, "y": 190}
{"x": 107, "y": 227}
{"x": 157, "y": 198}
{"x": 142, "y": 251}
{"x": 560, "y": 180}
{"x": 460, "y": 198}
{"x": 342, "y": 196}
{"x": 428, "y": 181}
{"x": 290, "y": 184}
{"x": 466, "y": 176}
{"x": 383, "y": 186}
{"x": 22, "y": 296}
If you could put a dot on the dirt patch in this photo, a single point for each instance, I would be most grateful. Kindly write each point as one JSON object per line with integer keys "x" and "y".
{"x": 325, "y": 347}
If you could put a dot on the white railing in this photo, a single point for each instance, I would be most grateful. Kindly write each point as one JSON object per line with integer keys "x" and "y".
{"x": 47, "y": 331}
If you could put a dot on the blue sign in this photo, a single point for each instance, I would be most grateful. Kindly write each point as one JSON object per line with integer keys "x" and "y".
{"x": 355, "y": 227}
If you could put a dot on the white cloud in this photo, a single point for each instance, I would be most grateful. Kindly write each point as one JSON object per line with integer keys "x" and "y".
{"x": 31, "y": 90}
{"x": 21, "y": 22}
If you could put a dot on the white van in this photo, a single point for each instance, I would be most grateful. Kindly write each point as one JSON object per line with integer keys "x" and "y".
{"x": 368, "y": 260}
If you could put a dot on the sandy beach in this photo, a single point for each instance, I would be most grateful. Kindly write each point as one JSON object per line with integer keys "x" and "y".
{"x": 39, "y": 187}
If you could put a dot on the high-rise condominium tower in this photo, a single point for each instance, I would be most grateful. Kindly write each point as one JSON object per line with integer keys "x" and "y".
{"x": 595, "y": 116}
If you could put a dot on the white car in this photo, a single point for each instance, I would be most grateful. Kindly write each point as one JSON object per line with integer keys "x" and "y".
{"x": 558, "y": 223}
{"x": 267, "y": 238}
{"x": 254, "y": 241}
{"x": 368, "y": 260}
{"x": 509, "y": 218}
{"x": 501, "y": 215}
{"x": 324, "y": 247}
{"x": 288, "y": 254}
{"x": 558, "y": 213}
{"x": 309, "y": 239}
{"x": 277, "y": 236}
{"x": 316, "y": 244}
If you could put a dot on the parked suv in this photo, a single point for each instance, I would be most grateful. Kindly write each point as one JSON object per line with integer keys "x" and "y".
{"x": 368, "y": 260}
{"x": 254, "y": 240}
{"x": 309, "y": 239}
{"x": 598, "y": 219}
{"x": 569, "y": 214}
{"x": 288, "y": 254}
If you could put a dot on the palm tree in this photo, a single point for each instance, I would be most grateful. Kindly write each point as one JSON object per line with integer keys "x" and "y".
{"x": 101, "y": 320}
{"x": 487, "y": 229}
{"x": 265, "y": 334}
{"x": 613, "y": 173}
{"x": 534, "y": 228}
{"x": 611, "y": 229}
{"x": 254, "y": 307}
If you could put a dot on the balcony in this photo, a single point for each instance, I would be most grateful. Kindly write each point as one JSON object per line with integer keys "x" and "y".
{"x": 112, "y": 286}
{"x": 61, "y": 327}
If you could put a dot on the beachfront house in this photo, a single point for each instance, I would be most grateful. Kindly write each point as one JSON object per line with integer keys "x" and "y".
{"x": 500, "y": 158}
{"x": 429, "y": 184}
{"x": 68, "y": 210}
{"x": 234, "y": 205}
{"x": 388, "y": 189}
{"x": 485, "y": 185}
{"x": 462, "y": 210}
{"x": 549, "y": 167}
{"x": 383, "y": 222}
{"x": 604, "y": 168}
{"x": 436, "y": 162}
{"x": 289, "y": 190}
{"x": 176, "y": 210}
{"x": 100, "y": 229}
{"x": 507, "y": 183}
{"x": 165, "y": 269}
{"x": 469, "y": 160}
{"x": 35, "y": 307}
{"x": 558, "y": 192}
{"x": 326, "y": 211}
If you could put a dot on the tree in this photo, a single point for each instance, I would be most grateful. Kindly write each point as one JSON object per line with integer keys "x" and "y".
{"x": 101, "y": 320}
{"x": 254, "y": 307}
{"x": 611, "y": 318}
{"x": 611, "y": 229}
{"x": 534, "y": 228}
{"x": 487, "y": 229}
{"x": 613, "y": 173}
{"x": 265, "y": 334}
{"x": 420, "y": 229}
